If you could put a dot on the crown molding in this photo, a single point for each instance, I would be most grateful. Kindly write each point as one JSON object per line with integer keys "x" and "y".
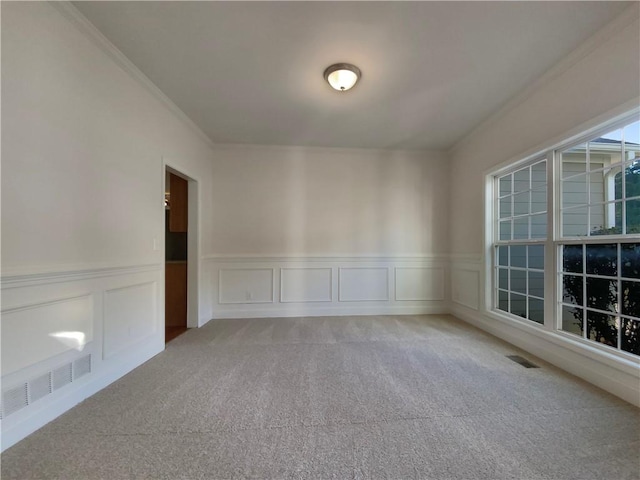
{"x": 83, "y": 25}
{"x": 625, "y": 20}
{"x": 232, "y": 147}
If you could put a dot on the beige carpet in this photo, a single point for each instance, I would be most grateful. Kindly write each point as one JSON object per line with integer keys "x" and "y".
{"x": 398, "y": 397}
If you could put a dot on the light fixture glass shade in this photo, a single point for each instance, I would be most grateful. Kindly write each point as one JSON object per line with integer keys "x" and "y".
{"x": 342, "y": 76}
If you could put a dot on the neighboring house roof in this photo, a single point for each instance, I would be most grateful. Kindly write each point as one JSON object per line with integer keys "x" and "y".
{"x": 611, "y": 141}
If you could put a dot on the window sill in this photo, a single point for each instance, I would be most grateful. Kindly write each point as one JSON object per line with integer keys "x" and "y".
{"x": 621, "y": 361}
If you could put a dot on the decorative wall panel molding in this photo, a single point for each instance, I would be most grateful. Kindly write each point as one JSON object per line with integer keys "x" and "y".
{"x": 35, "y": 332}
{"x": 246, "y": 285}
{"x": 129, "y": 316}
{"x": 363, "y": 284}
{"x": 420, "y": 283}
{"x": 328, "y": 285}
{"x": 465, "y": 287}
{"x": 67, "y": 334}
{"x": 306, "y": 284}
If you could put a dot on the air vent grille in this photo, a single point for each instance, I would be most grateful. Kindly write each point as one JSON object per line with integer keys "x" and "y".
{"x": 14, "y": 400}
{"x": 62, "y": 376}
{"x": 81, "y": 366}
{"x": 39, "y": 387}
{"x": 25, "y": 394}
{"x": 522, "y": 361}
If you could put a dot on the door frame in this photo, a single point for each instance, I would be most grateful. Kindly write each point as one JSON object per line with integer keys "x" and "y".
{"x": 193, "y": 238}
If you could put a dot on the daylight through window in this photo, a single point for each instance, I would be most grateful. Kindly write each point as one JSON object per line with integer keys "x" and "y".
{"x": 595, "y": 278}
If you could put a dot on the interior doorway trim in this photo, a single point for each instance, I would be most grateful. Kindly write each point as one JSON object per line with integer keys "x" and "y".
{"x": 193, "y": 237}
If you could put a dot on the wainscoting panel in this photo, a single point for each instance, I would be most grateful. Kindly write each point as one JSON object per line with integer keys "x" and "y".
{"x": 363, "y": 284}
{"x": 422, "y": 283}
{"x": 329, "y": 285}
{"x": 36, "y": 332}
{"x": 465, "y": 288}
{"x": 305, "y": 284}
{"x": 68, "y": 334}
{"x": 245, "y": 285}
{"x": 129, "y": 316}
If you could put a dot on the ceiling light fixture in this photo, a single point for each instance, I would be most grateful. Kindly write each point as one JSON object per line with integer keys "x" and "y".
{"x": 342, "y": 76}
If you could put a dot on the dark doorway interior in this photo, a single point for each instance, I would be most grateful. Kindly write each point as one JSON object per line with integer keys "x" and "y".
{"x": 176, "y": 235}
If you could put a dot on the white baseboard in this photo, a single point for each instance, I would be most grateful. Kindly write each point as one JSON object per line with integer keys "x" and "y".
{"x": 306, "y": 311}
{"x": 620, "y": 379}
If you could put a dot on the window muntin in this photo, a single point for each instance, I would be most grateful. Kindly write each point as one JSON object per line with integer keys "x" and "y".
{"x": 522, "y": 203}
{"x": 519, "y": 263}
{"x": 520, "y": 280}
{"x": 596, "y": 283}
{"x": 600, "y": 298}
{"x": 600, "y": 180}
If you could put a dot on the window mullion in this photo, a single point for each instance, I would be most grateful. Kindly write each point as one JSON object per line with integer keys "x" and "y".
{"x": 549, "y": 248}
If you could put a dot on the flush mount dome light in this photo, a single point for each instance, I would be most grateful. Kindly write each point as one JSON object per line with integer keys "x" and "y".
{"x": 342, "y": 76}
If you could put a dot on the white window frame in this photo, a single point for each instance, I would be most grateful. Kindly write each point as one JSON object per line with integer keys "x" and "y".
{"x": 553, "y": 243}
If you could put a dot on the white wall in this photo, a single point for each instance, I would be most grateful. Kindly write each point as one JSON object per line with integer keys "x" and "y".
{"x": 83, "y": 143}
{"x": 317, "y": 231}
{"x": 599, "y": 80}
{"x": 321, "y": 201}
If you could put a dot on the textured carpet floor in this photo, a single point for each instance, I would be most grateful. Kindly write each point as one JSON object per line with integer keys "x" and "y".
{"x": 348, "y": 398}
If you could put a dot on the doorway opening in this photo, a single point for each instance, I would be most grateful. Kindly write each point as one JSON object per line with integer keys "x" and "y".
{"x": 176, "y": 255}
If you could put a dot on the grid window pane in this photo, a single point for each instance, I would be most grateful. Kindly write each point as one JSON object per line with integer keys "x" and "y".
{"x": 602, "y": 259}
{"x": 518, "y": 256}
{"x": 521, "y": 203}
{"x": 630, "y": 338}
{"x": 505, "y": 230}
{"x": 518, "y": 281}
{"x": 521, "y": 180}
{"x": 630, "y": 260}
{"x": 602, "y": 294}
{"x": 573, "y": 289}
{"x": 598, "y": 219}
{"x": 633, "y": 215}
{"x": 503, "y": 255}
{"x": 535, "y": 256}
{"x": 539, "y": 200}
{"x": 539, "y": 175}
{"x": 539, "y": 226}
{"x": 505, "y": 207}
{"x": 521, "y": 228}
{"x": 536, "y": 310}
{"x": 574, "y": 160}
{"x": 575, "y": 222}
{"x": 631, "y": 298}
{"x": 614, "y": 137}
{"x": 572, "y": 259}
{"x": 536, "y": 284}
{"x": 574, "y": 191}
{"x": 572, "y": 320}
{"x": 503, "y": 300}
{"x": 602, "y": 328}
{"x": 505, "y": 185}
{"x": 518, "y": 305}
{"x": 503, "y": 278}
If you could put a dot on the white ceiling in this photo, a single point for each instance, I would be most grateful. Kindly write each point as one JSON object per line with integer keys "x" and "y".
{"x": 251, "y": 72}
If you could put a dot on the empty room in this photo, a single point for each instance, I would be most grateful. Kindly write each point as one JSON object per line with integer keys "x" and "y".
{"x": 314, "y": 240}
